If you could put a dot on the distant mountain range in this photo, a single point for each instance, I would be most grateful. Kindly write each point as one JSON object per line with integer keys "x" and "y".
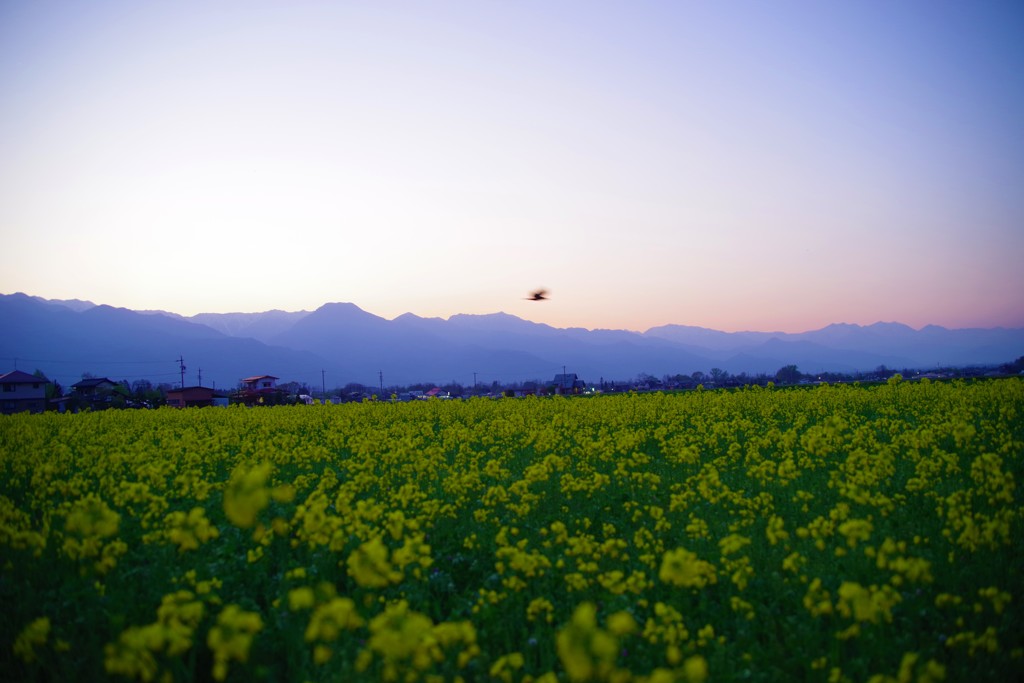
{"x": 340, "y": 343}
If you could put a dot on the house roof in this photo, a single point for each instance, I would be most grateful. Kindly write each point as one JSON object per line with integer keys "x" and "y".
{"x": 92, "y": 382}
{"x": 19, "y": 377}
{"x": 259, "y": 377}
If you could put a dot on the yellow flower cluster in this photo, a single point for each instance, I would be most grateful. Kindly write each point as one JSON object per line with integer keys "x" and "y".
{"x": 88, "y": 524}
{"x": 231, "y": 638}
{"x": 32, "y": 636}
{"x": 404, "y": 643}
{"x": 247, "y": 494}
{"x": 190, "y": 530}
{"x": 864, "y": 605}
{"x": 587, "y": 651}
{"x": 926, "y": 672}
{"x": 16, "y": 530}
{"x": 843, "y": 533}
{"x": 135, "y": 653}
{"x": 330, "y": 618}
{"x": 680, "y": 567}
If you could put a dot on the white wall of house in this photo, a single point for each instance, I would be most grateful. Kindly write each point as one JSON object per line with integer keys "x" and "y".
{"x": 19, "y": 391}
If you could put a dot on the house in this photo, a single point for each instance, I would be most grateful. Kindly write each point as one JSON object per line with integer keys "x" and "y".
{"x": 260, "y": 383}
{"x": 195, "y": 397}
{"x": 96, "y": 393}
{"x": 569, "y": 384}
{"x": 529, "y": 388}
{"x": 93, "y": 386}
{"x": 20, "y": 391}
{"x": 260, "y": 390}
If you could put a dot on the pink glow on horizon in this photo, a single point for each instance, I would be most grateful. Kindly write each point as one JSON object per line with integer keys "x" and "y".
{"x": 748, "y": 167}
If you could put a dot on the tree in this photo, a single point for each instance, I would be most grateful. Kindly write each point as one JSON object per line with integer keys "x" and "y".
{"x": 295, "y": 388}
{"x": 646, "y": 379}
{"x": 1015, "y": 367}
{"x": 682, "y": 381}
{"x": 788, "y": 375}
{"x": 53, "y": 390}
{"x": 698, "y": 377}
{"x": 719, "y": 376}
{"x": 453, "y": 388}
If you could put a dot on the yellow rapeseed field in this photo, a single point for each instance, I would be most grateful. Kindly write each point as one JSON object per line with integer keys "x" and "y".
{"x": 834, "y": 533}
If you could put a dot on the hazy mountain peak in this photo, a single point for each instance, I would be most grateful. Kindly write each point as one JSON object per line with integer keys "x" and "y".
{"x": 412, "y": 316}
{"x": 498, "y": 322}
{"x": 344, "y": 308}
{"x": 104, "y": 309}
{"x": 890, "y": 327}
{"x": 77, "y": 305}
{"x": 500, "y": 315}
{"x": 332, "y": 319}
{"x": 348, "y": 344}
{"x": 336, "y": 306}
{"x": 169, "y": 314}
{"x": 261, "y": 326}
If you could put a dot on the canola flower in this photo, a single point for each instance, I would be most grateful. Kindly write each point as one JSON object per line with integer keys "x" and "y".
{"x": 835, "y": 533}
{"x": 327, "y": 622}
{"x": 139, "y": 649}
{"x": 231, "y": 638}
{"x": 88, "y": 524}
{"x": 247, "y": 494}
{"x": 680, "y": 567}
{"x": 370, "y": 567}
{"x": 587, "y": 651}
{"x": 190, "y": 530}
{"x": 32, "y": 637}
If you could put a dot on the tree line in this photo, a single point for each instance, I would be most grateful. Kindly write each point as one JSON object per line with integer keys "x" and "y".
{"x": 143, "y": 393}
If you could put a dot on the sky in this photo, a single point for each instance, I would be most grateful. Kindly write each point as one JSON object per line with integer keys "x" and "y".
{"x": 770, "y": 166}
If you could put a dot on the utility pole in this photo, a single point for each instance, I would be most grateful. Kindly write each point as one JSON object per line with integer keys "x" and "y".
{"x": 181, "y": 368}
{"x": 200, "y": 377}
{"x": 380, "y": 374}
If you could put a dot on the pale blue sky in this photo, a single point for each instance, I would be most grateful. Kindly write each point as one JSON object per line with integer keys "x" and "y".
{"x": 736, "y": 165}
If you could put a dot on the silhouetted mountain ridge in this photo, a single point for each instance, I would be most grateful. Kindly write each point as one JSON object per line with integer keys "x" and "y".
{"x": 340, "y": 343}
{"x": 256, "y": 325}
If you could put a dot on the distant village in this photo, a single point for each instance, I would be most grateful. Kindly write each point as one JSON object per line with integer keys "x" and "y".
{"x": 21, "y": 391}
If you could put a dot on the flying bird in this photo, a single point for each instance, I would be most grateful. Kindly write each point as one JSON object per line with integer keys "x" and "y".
{"x": 539, "y": 295}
